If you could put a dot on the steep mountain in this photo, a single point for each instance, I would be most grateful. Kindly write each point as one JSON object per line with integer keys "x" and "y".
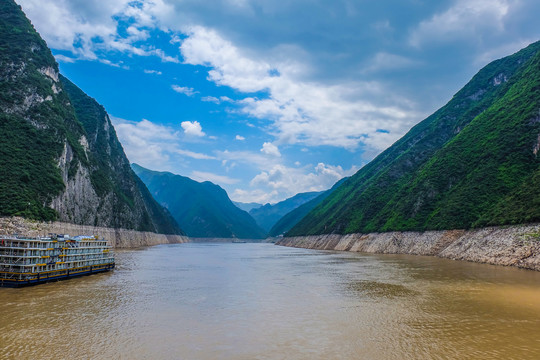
{"x": 60, "y": 157}
{"x": 202, "y": 209}
{"x": 247, "y": 206}
{"x": 472, "y": 163}
{"x": 294, "y": 216}
{"x": 268, "y": 215}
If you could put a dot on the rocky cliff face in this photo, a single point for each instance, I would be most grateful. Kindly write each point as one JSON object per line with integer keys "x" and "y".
{"x": 113, "y": 196}
{"x": 510, "y": 246}
{"x": 60, "y": 153}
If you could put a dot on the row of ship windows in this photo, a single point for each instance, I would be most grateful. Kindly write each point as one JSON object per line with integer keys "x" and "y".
{"x": 44, "y": 246}
{"x": 50, "y": 252}
{"x": 7, "y": 268}
{"x": 22, "y": 261}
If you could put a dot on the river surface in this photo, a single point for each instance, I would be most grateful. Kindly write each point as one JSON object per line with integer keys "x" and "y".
{"x": 260, "y": 301}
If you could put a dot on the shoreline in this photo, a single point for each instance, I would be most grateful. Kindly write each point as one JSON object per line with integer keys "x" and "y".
{"x": 516, "y": 245}
{"x": 116, "y": 237}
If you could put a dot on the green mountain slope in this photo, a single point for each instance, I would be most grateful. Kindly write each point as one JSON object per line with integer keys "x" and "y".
{"x": 472, "y": 163}
{"x": 60, "y": 156}
{"x": 201, "y": 209}
{"x": 286, "y": 222}
{"x": 267, "y": 215}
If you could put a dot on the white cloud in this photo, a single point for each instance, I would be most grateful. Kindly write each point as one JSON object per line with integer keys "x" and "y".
{"x": 280, "y": 182}
{"x": 184, "y": 90}
{"x": 136, "y": 34}
{"x": 87, "y": 28}
{"x": 145, "y": 142}
{"x": 118, "y": 65}
{"x": 465, "y": 20}
{"x": 156, "y": 147}
{"x": 270, "y": 149}
{"x": 300, "y": 111}
{"x": 383, "y": 61}
{"x": 251, "y": 158}
{"x": 156, "y": 72}
{"x": 164, "y": 57}
{"x": 192, "y": 128}
{"x": 502, "y": 51}
{"x": 212, "y": 99}
{"x": 66, "y": 28}
{"x": 194, "y": 155}
{"x": 153, "y": 146}
{"x": 217, "y": 179}
{"x": 65, "y": 59}
{"x": 240, "y": 138}
{"x": 258, "y": 196}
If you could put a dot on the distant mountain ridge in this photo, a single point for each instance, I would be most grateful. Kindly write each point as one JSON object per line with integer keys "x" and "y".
{"x": 247, "y": 206}
{"x": 473, "y": 163}
{"x": 268, "y": 215}
{"x": 60, "y": 157}
{"x": 286, "y": 222}
{"x": 202, "y": 209}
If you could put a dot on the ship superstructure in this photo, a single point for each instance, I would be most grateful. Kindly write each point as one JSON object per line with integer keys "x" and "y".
{"x": 27, "y": 261}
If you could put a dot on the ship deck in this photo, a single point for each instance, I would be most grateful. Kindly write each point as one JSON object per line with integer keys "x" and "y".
{"x": 29, "y": 261}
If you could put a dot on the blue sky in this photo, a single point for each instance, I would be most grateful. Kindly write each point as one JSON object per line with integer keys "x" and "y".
{"x": 270, "y": 98}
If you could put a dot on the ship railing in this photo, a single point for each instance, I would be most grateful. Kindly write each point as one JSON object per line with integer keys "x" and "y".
{"x": 10, "y": 276}
{"x": 14, "y": 261}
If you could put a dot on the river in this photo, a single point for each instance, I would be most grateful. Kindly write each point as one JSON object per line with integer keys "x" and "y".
{"x": 260, "y": 301}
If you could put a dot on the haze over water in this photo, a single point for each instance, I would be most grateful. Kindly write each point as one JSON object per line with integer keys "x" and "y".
{"x": 260, "y": 301}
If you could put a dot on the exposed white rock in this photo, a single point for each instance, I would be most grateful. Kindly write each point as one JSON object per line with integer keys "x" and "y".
{"x": 509, "y": 245}
{"x": 79, "y": 201}
{"x": 499, "y": 79}
{"x": 50, "y": 72}
{"x": 64, "y": 160}
{"x": 84, "y": 143}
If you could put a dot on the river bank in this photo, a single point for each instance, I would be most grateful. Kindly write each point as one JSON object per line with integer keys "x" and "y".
{"x": 509, "y": 245}
{"x": 118, "y": 238}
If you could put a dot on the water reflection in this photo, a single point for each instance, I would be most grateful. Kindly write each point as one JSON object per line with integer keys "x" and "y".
{"x": 259, "y": 301}
{"x": 376, "y": 289}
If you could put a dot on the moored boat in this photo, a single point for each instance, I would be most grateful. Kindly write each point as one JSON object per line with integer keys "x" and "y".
{"x": 29, "y": 261}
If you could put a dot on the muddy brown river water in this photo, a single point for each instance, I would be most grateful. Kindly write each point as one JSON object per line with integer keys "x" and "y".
{"x": 260, "y": 301}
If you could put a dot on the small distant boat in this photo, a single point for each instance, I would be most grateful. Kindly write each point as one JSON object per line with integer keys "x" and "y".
{"x": 238, "y": 241}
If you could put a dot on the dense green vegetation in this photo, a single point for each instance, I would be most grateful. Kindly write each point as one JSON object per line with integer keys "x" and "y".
{"x": 43, "y": 116}
{"x": 267, "y": 215}
{"x": 201, "y": 209}
{"x": 472, "y": 163}
{"x": 28, "y": 175}
{"x": 33, "y": 130}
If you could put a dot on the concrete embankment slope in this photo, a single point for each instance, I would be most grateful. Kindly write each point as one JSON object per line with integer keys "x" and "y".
{"x": 119, "y": 238}
{"x": 510, "y": 245}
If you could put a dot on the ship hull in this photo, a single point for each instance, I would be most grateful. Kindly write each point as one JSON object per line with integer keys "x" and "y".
{"x": 56, "y": 275}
